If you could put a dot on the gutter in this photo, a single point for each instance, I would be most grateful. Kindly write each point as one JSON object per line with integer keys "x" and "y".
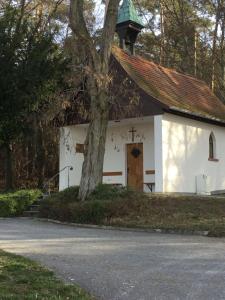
{"x": 195, "y": 115}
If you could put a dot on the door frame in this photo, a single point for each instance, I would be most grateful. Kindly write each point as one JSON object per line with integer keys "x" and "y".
{"x": 126, "y": 165}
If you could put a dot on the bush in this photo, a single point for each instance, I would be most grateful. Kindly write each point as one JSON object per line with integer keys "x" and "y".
{"x": 106, "y": 192}
{"x": 104, "y": 203}
{"x": 92, "y": 212}
{"x": 68, "y": 195}
{"x": 118, "y": 206}
{"x": 13, "y": 204}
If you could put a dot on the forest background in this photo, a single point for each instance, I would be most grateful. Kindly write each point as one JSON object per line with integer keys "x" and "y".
{"x": 40, "y": 69}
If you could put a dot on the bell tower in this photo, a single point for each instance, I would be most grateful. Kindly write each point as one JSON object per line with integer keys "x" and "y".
{"x": 128, "y": 26}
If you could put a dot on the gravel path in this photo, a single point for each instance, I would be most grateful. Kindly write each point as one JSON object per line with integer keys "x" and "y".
{"x": 115, "y": 265}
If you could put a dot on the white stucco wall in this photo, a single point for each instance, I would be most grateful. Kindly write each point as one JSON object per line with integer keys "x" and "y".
{"x": 158, "y": 153}
{"x": 69, "y": 137}
{"x": 185, "y": 144}
{"x": 118, "y": 136}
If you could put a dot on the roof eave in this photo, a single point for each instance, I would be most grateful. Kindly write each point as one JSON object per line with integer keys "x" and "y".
{"x": 210, "y": 119}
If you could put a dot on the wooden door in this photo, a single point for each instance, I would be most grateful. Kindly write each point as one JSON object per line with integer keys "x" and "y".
{"x": 135, "y": 166}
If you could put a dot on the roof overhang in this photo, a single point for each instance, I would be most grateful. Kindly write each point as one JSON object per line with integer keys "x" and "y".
{"x": 195, "y": 116}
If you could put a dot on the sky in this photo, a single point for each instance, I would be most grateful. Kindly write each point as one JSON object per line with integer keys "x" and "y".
{"x": 99, "y": 13}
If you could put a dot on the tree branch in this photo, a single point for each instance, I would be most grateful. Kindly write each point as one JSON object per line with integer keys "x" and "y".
{"x": 109, "y": 30}
{"x": 79, "y": 28}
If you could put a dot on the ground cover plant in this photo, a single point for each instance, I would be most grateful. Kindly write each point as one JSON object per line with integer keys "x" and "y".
{"x": 14, "y": 203}
{"x": 23, "y": 279}
{"x": 115, "y": 206}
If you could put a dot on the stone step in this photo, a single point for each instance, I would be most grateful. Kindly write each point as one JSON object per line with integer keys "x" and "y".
{"x": 38, "y": 201}
{"x": 30, "y": 213}
{"x": 34, "y": 207}
{"x": 218, "y": 193}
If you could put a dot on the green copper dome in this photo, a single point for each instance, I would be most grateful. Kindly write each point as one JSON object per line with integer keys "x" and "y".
{"x": 127, "y": 12}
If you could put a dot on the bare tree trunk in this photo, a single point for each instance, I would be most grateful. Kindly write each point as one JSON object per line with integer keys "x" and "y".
{"x": 97, "y": 87}
{"x": 39, "y": 150}
{"x": 222, "y": 62}
{"x": 162, "y": 40}
{"x": 94, "y": 146}
{"x": 215, "y": 36}
{"x": 40, "y": 157}
{"x": 195, "y": 52}
{"x": 8, "y": 167}
{"x": 106, "y": 7}
{"x": 30, "y": 156}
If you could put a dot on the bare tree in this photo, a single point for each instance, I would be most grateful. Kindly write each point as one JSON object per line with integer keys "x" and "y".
{"x": 162, "y": 40}
{"x": 214, "y": 45}
{"x": 98, "y": 79}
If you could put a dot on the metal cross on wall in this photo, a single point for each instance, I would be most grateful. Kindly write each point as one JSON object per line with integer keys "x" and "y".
{"x": 133, "y": 131}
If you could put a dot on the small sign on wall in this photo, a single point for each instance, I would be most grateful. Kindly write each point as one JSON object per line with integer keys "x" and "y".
{"x": 79, "y": 148}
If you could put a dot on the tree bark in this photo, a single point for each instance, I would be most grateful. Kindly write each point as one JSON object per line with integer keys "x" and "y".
{"x": 8, "y": 167}
{"x": 39, "y": 151}
{"x": 94, "y": 146}
{"x": 195, "y": 53}
{"x": 162, "y": 39}
{"x": 97, "y": 70}
{"x": 40, "y": 158}
{"x": 30, "y": 157}
{"x": 222, "y": 62}
{"x": 215, "y": 37}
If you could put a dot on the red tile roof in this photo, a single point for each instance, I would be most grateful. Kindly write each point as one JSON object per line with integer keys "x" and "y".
{"x": 175, "y": 90}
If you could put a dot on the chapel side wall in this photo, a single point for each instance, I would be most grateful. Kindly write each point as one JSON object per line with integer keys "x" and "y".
{"x": 69, "y": 137}
{"x": 186, "y": 153}
{"x": 158, "y": 153}
{"x": 115, "y": 154}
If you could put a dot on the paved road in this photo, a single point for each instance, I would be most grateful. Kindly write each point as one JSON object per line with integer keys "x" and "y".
{"x": 115, "y": 265}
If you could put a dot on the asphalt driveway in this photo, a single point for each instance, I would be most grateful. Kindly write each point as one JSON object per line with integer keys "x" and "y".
{"x": 115, "y": 265}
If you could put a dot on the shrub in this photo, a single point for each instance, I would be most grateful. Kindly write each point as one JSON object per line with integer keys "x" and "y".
{"x": 13, "y": 204}
{"x": 94, "y": 212}
{"x": 109, "y": 205}
{"x": 106, "y": 201}
{"x": 57, "y": 206}
{"x": 106, "y": 192}
{"x": 68, "y": 195}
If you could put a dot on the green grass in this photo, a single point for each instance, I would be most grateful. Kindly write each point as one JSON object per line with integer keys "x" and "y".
{"x": 23, "y": 279}
{"x": 123, "y": 207}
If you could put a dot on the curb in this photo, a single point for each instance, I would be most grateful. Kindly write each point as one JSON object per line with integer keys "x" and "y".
{"x": 129, "y": 229}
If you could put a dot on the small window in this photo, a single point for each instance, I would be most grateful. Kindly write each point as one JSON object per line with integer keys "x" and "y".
{"x": 212, "y": 147}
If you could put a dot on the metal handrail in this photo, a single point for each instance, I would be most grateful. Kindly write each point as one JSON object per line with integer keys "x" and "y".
{"x": 70, "y": 168}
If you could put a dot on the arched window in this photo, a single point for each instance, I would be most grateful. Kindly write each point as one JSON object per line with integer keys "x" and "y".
{"x": 212, "y": 146}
